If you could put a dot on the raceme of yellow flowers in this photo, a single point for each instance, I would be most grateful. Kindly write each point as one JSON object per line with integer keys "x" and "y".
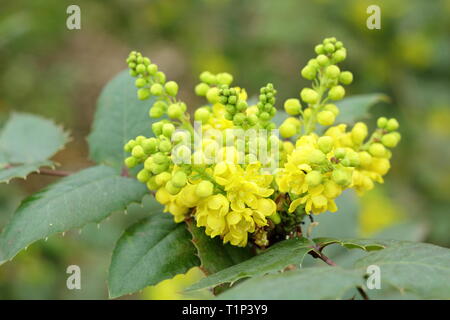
{"x": 231, "y": 171}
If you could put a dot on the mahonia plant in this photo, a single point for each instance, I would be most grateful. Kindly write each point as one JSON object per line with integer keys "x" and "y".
{"x": 209, "y": 174}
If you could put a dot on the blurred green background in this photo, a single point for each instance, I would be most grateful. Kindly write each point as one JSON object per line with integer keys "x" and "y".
{"x": 49, "y": 70}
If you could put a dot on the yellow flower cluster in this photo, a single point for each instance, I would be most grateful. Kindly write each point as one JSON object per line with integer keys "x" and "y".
{"x": 308, "y": 175}
{"x": 218, "y": 177}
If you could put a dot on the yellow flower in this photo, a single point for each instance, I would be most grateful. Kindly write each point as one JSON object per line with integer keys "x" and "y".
{"x": 211, "y": 213}
{"x": 315, "y": 201}
{"x": 243, "y": 187}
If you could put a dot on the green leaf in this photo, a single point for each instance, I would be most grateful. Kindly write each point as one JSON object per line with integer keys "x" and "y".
{"x": 356, "y": 107}
{"x": 303, "y": 284}
{"x": 26, "y": 143}
{"x": 274, "y": 259}
{"x": 419, "y": 268}
{"x": 87, "y": 196}
{"x": 150, "y": 251}
{"x": 23, "y": 170}
{"x": 120, "y": 116}
{"x": 213, "y": 254}
{"x": 363, "y": 244}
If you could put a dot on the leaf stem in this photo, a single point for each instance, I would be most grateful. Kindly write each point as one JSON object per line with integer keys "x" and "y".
{"x": 55, "y": 173}
{"x": 319, "y": 254}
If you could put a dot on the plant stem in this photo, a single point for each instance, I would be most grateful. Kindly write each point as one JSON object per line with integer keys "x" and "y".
{"x": 318, "y": 254}
{"x": 55, "y": 173}
{"x": 325, "y": 259}
{"x": 362, "y": 293}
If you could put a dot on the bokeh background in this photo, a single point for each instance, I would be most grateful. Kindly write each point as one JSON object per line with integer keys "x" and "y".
{"x": 49, "y": 70}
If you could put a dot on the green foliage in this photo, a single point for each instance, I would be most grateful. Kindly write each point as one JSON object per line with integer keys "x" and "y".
{"x": 87, "y": 196}
{"x": 305, "y": 284}
{"x": 148, "y": 252}
{"x": 420, "y": 268}
{"x": 274, "y": 259}
{"x": 363, "y": 244}
{"x": 356, "y": 107}
{"x": 213, "y": 254}
{"x": 417, "y": 268}
{"x": 120, "y": 116}
{"x": 26, "y": 143}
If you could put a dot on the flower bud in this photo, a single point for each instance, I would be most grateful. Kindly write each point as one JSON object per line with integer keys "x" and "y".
{"x": 171, "y": 88}
{"x": 275, "y": 217}
{"x": 160, "y": 77}
{"x": 336, "y": 93}
{"x": 340, "y": 153}
{"x": 342, "y": 177}
{"x": 213, "y": 95}
{"x": 201, "y": 89}
{"x": 155, "y": 112}
{"x": 309, "y": 72}
{"x": 179, "y": 179}
{"x": 224, "y": 78}
{"x": 322, "y": 60}
{"x": 151, "y": 185}
{"x": 332, "y": 107}
{"x": 313, "y": 178}
{"x": 365, "y": 159}
{"x": 329, "y": 47}
{"x": 140, "y": 68}
{"x": 157, "y": 128}
{"x": 143, "y": 176}
{"x": 202, "y": 114}
{"x": 143, "y": 93}
{"x": 138, "y": 152}
{"x": 316, "y": 157}
{"x": 174, "y": 111}
{"x": 152, "y": 69}
{"x": 140, "y": 82}
{"x": 149, "y": 145}
{"x": 325, "y": 144}
{"x": 204, "y": 189}
{"x": 309, "y": 95}
{"x": 346, "y": 77}
{"x": 392, "y": 125}
{"x": 377, "y": 150}
{"x": 168, "y": 129}
{"x": 382, "y": 122}
{"x": 332, "y": 72}
{"x": 325, "y": 118}
{"x": 288, "y": 130}
{"x": 207, "y": 77}
{"x": 391, "y": 140}
{"x": 156, "y": 89}
{"x": 131, "y": 162}
{"x": 292, "y": 106}
{"x": 165, "y": 146}
{"x": 173, "y": 190}
{"x": 340, "y": 55}
{"x": 319, "y": 49}
{"x": 353, "y": 158}
{"x": 359, "y": 132}
{"x": 162, "y": 178}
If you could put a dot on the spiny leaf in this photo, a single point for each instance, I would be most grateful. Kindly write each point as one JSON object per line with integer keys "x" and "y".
{"x": 419, "y": 268}
{"x": 120, "y": 116}
{"x": 274, "y": 259}
{"x": 87, "y": 196}
{"x": 303, "y": 284}
{"x": 26, "y": 143}
{"x": 150, "y": 251}
{"x": 23, "y": 170}
{"x": 363, "y": 244}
